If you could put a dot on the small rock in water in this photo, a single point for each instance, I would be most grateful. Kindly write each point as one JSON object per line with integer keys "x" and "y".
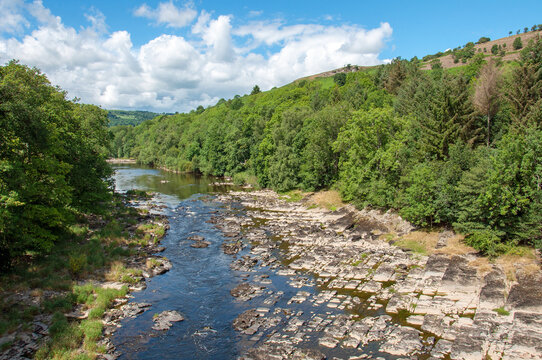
{"x": 196, "y": 238}
{"x": 200, "y": 244}
{"x": 164, "y": 320}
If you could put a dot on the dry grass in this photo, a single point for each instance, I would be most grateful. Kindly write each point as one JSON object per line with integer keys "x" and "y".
{"x": 447, "y": 61}
{"x": 329, "y": 199}
{"x": 419, "y": 241}
{"x": 456, "y": 246}
{"x": 482, "y": 265}
{"x": 116, "y": 271}
{"x": 522, "y": 259}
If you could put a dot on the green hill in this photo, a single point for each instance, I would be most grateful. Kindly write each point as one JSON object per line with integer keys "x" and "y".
{"x": 126, "y": 117}
{"x": 449, "y": 147}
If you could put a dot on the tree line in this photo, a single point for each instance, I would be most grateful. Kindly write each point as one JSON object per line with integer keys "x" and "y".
{"x": 455, "y": 148}
{"x": 52, "y": 161}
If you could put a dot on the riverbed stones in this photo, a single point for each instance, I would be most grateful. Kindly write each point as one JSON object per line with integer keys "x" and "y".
{"x": 133, "y": 309}
{"x": 165, "y": 320}
{"x": 246, "y": 320}
{"x": 200, "y": 244}
{"x": 246, "y": 291}
{"x": 438, "y": 302}
{"x": 232, "y": 248}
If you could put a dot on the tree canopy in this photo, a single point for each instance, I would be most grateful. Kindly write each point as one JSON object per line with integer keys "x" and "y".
{"x": 52, "y": 160}
{"x": 443, "y": 147}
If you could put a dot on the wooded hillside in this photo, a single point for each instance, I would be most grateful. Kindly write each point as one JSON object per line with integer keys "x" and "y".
{"x": 461, "y": 148}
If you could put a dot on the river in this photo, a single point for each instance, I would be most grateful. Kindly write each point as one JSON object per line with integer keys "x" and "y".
{"x": 198, "y": 286}
{"x": 321, "y": 285}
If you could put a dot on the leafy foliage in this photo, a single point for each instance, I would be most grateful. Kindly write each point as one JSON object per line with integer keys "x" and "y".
{"x": 460, "y": 147}
{"x": 52, "y": 160}
{"x": 128, "y": 117}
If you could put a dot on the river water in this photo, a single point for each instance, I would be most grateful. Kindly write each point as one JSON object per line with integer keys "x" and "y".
{"x": 198, "y": 286}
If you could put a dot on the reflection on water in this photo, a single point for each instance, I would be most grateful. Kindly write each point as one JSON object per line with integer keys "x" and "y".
{"x": 198, "y": 284}
{"x": 180, "y": 186}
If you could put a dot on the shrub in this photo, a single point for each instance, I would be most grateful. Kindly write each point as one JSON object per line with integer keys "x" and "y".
{"x": 77, "y": 263}
{"x": 340, "y": 79}
{"x": 487, "y": 242}
{"x": 517, "y": 44}
{"x": 495, "y": 49}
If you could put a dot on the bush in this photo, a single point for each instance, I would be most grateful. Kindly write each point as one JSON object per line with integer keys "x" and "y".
{"x": 77, "y": 263}
{"x": 487, "y": 242}
{"x": 495, "y": 49}
{"x": 340, "y": 79}
{"x": 517, "y": 44}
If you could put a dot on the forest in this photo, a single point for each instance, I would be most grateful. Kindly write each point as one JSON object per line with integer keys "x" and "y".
{"x": 459, "y": 148}
{"x": 52, "y": 162}
{"x": 126, "y": 117}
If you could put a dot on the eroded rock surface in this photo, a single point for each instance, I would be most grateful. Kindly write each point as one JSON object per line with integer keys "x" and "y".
{"x": 165, "y": 320}
{"x": 403, "y": 304}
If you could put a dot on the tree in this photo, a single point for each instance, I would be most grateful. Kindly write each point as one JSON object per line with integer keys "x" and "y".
{"x": 255, "y": 90}
{"x": 525, "y": 29}
{"x": 510, "y": 33}
{"x": 517, "y": 44}
{"x": 483, "y": 39}
{"x": 524, "y": 90}
{"x": 369, "y": 146}
{"x": 396, "y": 73}
{"x": 495, "y": 49}
{"x": 52, "y": 160}
{"x": 436, "y": 64}
{"x": 486, "y": 95}
{"x": 339, "y": 79}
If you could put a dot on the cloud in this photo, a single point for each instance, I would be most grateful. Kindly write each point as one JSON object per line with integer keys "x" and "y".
{"x": 11, "y": 18}
{"x": 167, "y": 13}
{"x": 255, "y": 13}
{"x": 177, "y": 73}
{"x": 218, "y": 38}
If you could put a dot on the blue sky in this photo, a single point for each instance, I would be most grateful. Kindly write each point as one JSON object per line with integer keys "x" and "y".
{"x": 174, "y": 55}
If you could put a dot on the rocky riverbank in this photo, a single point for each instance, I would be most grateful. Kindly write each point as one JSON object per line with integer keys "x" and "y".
{"x": 396, "y": 303}
{"x": 143, "y": 263}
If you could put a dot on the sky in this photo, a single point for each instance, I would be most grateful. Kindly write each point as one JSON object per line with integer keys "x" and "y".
{"x": 174, "y": 55}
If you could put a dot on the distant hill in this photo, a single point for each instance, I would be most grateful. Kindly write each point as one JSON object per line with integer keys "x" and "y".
{"x": 125, "y": 117}
{"x": 500, "y": 48}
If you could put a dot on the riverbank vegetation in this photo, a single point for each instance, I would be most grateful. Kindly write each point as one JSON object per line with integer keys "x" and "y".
{"x": 61, "y": 226}
{"x": 459, "y": 147}
{"x": 64, "y": 288}
{"x": 52, "y": 162}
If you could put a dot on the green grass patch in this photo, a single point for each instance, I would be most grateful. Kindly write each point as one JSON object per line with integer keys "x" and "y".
{"x": 412, "y": 245}
{"x": 502, "y": 311}
{"x": 245, "y": 178}
{"x": 326, "y": 82}
{"x": 362, "y": 259}
{"x": 291, "y": 196}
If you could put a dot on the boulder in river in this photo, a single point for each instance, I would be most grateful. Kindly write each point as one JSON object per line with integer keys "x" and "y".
{"x": 200, "y": 244}
{"x": 164, "y": 320}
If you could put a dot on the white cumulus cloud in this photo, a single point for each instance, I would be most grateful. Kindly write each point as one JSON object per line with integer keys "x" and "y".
{"x": 169, "y": 14}
{"x": 177, "y": 73}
